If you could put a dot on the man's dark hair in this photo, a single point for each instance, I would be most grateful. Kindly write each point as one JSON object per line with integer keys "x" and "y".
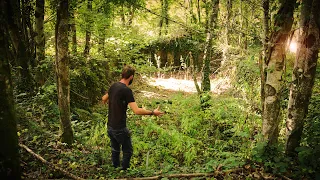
{"x": 127, "y": 72}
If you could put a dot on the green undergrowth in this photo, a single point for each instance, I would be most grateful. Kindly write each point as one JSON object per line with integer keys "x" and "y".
{"x": 186, "y": 139}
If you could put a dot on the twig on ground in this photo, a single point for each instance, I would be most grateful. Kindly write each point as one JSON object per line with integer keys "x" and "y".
{"x": 69, "y": 175}
{"x": 173, "y": 176}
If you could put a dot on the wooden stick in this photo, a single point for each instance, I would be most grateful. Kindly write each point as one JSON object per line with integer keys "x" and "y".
{"x": 173, "y": 176}
{"x": 50, "y": 164}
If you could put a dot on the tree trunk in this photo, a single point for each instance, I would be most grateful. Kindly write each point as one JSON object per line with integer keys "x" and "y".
{"x": 28, "y": 32}
{"x": 199, "y": 11}
{"x": 9, "y": 153}
{"x": 265, "y": 41}
{"x": 40, "y": 41}
{"x": 229, "y": 13}
{"x": 88, "y": 29}
{"x": 101, "y": 41}
{"x": 164, "y": 17}
{"x": 22, "y": 57}
{"x": 304, "y": 71}
{"x": 207, "y": 51}
{"x": 275, "y": 65}
{"x": 62, "y": 72}
{"x": 193, "y": 18}
{"x": 227, "y": 34}
{"x": 161, "y": 18}
{"x": 73, "y": 29}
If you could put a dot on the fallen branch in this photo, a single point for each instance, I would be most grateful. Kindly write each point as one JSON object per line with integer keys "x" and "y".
{"x": 50, "y": 164}
{"x": 173, "y": 176}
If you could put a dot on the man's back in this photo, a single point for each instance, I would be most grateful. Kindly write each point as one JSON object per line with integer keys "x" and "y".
{"x": 119, "y": 97}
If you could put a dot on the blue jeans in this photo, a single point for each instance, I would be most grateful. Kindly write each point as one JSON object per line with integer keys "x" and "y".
{"x": 120, "y": 137}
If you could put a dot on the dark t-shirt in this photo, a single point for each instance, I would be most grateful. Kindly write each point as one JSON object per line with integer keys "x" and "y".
{"x": 119, "y": 97}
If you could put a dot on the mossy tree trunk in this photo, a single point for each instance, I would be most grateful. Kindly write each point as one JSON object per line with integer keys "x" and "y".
{"x": 62, "y": 72}
{"x": 304, "y": 71}
{"x": 208, "y": 47}
{"x": 275, "y": 68}
{"x": 9, "y": 154}
{"x": 265, "y": 41}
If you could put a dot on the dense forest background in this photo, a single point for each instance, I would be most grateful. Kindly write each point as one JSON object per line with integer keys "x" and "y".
{"x": 251, "y": 111}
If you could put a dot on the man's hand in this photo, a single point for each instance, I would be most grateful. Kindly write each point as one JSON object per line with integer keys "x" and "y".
{"x": 157, "y": 112}
{"x": 105, "y": 98}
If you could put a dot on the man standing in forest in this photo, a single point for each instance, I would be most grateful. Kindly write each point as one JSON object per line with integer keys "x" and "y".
{"x": 118, "y": 98}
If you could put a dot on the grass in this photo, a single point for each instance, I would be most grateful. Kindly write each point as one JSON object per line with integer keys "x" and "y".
{"x": 186, "y": 139}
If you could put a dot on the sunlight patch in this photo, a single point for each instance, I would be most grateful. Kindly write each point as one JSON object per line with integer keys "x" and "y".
{"x": 217, "y": 85}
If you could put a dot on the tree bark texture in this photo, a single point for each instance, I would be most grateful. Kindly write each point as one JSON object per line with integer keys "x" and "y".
{"x": 275, "y": 65}
{"x": 88, "y": 29}
{"x": 304, "y": 71}
{"x": 40, "y": 41}
{"x": 265, "y": 41}
{"x": 207, "y": 51}
{"x": 73, "y": 29}
{"x": 9, "y": 154}
{"x": 22, "y": 57}
{"x": 62, "y": 72}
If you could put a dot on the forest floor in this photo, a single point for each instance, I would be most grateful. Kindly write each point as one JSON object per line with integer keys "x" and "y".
{"x": 186, "y": 141}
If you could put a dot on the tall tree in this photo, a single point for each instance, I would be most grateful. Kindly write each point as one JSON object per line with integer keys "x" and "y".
{"x": 20, "y": 46}
{"x": 62, "y": 71}
{"x": 88, "y": 29}
{"x": 73, "y": 29}
{"x": 208, "y": 46}
{"x": 9, "y": 154}
{"x": 193, "y": 17}
{"x": 39, "y": 33}
{"x": 199, "y": 11}
{"x": 275, "y": 66}
{"x": 227, "y": 29}
{"x": 164, "y": 16}
{"x": 265, "y": 41}
{"x": 27, "y": 11}
{"x": 228, "y": 24}
{"x": 304, "y": 71}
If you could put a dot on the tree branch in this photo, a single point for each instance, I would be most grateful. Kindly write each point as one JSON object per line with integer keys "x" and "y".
{"x": 69, "y": 175}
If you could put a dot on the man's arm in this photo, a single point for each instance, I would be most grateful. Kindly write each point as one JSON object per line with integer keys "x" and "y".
{"x": 105, "y": 98}
{"x": 141, "y": 111}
